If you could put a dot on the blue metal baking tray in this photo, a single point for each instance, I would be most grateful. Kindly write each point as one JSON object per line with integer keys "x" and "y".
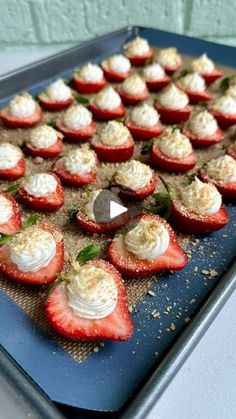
{"x": 132, "y": 373}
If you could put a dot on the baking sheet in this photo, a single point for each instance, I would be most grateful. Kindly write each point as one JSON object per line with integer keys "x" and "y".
{"x": 101, "y": 382}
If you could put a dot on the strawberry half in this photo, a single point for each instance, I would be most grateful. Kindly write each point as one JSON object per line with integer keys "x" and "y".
{"x": 224, "y": 121}
{"x": 170, "y": 164}
{"x": 139, "y": 194}
{"x": 14, "y": 223}
{"x": 114, "y": 76}
{"x": 231, "y": 151}
{"x": 107, "y": 114}
{"x": 73, "y": 179}
{"x": 114, "y": 154}
{"x": 171, "y": 70}
{"x": 132, "y": 99}
{"x": 138, "y": 60}
{"x": 48, "y": 203}
{"x": 43, "y": 275}
{"x": 211, "y": 77}
{"x": 227, "y": 190}
{"x": 46, "y": 153}
{"x": 155, "y": 85}
{"x": 53, "y": 106}
{"x": 173, "y": 116}
{"x": 88, "y": 87}
{"x": 191, "y": 223}
{"x": 116, "y": 326}
{"x": 144, "y": 133}
{"x": 15, "y": 172}
{"x": 81, "y": 134}
{"x": 128, "y": 264}
{"x": 196, "y": 97}
{"x": 14, "y": 122}
{"x": 93, "y": 227}
{"x": 203, "y": 142}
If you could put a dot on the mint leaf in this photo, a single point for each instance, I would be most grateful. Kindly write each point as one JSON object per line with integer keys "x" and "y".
{"x": 72, "y": 214}
{"x": 224, "y": 84}
{"x": 88, "y": 253}
{"x": 146, "y": 147}
{"x": 30, "y": 221}
{"x": 70, "y": 83}
{"x": 12, "y": 188}
{"x": 52, "y": 123}
{"x": 81, "y": 99}
{"x": 165, "y": 184}
{"x": 162, "y": 197}
{"x": 4, "y": 238}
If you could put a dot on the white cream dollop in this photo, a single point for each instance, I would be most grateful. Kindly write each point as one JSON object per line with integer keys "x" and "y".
{"x": 80, "y": 161}
{"x": 222, "y": 169}
{"x": 22, "y": 106}
{"x": 226, "y": 105}
{"x": 201, "y": 198}
{"x": 43, "y": 136}
{"x": 203, "y": 124}
{"x": 169, "y": 57}
{"x": 173, "y": 98}
{"x": 114, "y": 133}
{"x": 77, "y": 117}
{"x": 89, "y": 206}
{"x": 144, "y": 115}
{"x": 58, "y": 91}
{"x": 9, "y": 156}
{"x": 118, "y": 63}
{"x": 6, "y": 209}
{"x": 203, "y": 64}
{"x": 92, "y": 292}
{"x": 174, "y": 144}
{"x": 134, "y": 85}
{"x": 193, "y": 82}
{"x": 90, "y": 73}
{"x": 108, "y": 98}
{"x": 139, "y": 46}
{"x": 149, "y": 239}
{"x": 133, "y": 174}
{"x": 32, "y": 249}
{"x": 40, "y": 184}
{"x": 153, "y": 72}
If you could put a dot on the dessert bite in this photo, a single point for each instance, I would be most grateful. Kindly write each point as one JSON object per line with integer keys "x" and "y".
{"x": 89, "y": 79}
{"x": 133, "y": 90}
{"x": 107, "y": 105}
{"x": 57, "y": 96}
{"x": 44, "y": 141}
{"x": 12, "y": 162}
{"x": 170, "y": 60}
{"x": 144, "y": 122}
{"x": 138, "y": 51}
{"x": 202, "y": 129}
{"x": 116, "y": 68}
{"x": 22, "y": 112}
{"x": 76, "y": 124}
{"x": 172, "y": 105}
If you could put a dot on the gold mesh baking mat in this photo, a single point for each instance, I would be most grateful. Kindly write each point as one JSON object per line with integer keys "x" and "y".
{"x": 31, "y": 299}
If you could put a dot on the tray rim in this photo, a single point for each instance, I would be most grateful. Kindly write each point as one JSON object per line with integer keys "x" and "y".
{"x": 150, "y": 391}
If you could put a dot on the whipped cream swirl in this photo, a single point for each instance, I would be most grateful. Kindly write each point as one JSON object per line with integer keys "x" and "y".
{"x": 222, "y": 169}
{"x": 134, "y": 175}
{"x": 144, "y": 115}
{"x": 203, "y": 124}
{"x": 80, "y": 161}
{"x": 139, "y": 46}
{"x": 203, "y": 64}
{"x": 173, "y": 98}
{"x": 40, "y": 184}
{"x": 90, "y": 73}
{"x": 6, "y": 209}
{"x": 174, "y": 144}
{"x": 201, "y": 198}
{"x": 58, "y": 91}
{"x": 114, "y": 134}
{"x": 9, "y": 156}
{"x": 22, "y": 106}
{"x": 108, "y": 98}
{"x": 43, "y": 136}
{"x": 77, "y": 117}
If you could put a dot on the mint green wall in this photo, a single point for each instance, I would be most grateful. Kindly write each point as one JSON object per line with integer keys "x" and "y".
{"x": 31, "y": 23}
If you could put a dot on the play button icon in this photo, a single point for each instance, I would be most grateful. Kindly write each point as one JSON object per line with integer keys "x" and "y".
{"x": 108, "y": 207}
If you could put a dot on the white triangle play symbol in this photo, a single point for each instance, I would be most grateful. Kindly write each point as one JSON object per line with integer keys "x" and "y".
{"x": 116, "y": 209}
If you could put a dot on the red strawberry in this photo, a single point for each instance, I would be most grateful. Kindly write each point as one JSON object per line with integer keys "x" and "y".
{"x": 231, "y": 151}
{"x": 144, "y": 133}
{"x": 171, "y": 70}
{"x": 191, "y": 223}
{"x": 138, "y": 60}
{"x": 128, "y": 264}
{"x": 106, "y": 114}
{"x": 81, "y": 134}
{"x": 153, "y": 86}
{"x": 141, "y": 193}
{"x": 224, "y": 121}
{"x": 173, "y": 116}
{"x": 14, "y": 223}
{"x": 50, "y": 203}
{"x": 114, "y": 154}
{"x": 204, "y": 141}
{"x": 227, "y": 190}
{"x": 73, "y": 179}
{"x": 93, "y": 227}
{"x": 43, "y": 275}
{"x": 53, "y": 106}
{"x": 170, "y": 164}
{"x": 88, "y": 87}
{"x": 116, "y": 326}
{"x": 15, "y": 172}
{"x": 114, "y": 75}
{"x": 211, "y": 77}
{"x": 46, "y": 153}
{"x": 195, "y": 97}
{"x": 131, "y": 99}
{"x": 14, "y": 122}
